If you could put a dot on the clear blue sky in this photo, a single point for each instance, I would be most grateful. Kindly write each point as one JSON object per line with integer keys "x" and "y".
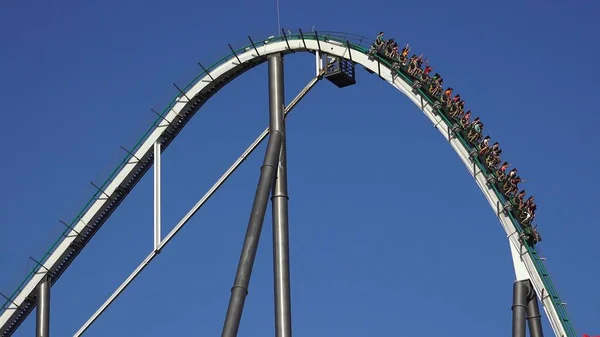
{"x": 389, "y": 234}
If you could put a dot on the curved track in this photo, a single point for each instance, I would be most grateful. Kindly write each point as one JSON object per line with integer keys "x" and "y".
{"x": 528, "y": 264}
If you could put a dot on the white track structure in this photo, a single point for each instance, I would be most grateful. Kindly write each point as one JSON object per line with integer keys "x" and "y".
{"x": 334, "y": 46}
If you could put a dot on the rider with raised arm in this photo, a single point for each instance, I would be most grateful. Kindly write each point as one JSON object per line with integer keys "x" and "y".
{"x": 394, "y": 53}
{"x": 511, "y": 186}
{"x": 404, "y": 53}
{"x": 379, "y": 40}
{"x": 378, "y": 45}
{"x": 414, "y": 66}
{"x": 426, "y": 72}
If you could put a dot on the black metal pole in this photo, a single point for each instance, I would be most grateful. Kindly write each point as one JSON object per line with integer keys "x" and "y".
{"x": 534, "y": 318}
{"x": 257, "y": 217}
{"x": 519, "y": 308}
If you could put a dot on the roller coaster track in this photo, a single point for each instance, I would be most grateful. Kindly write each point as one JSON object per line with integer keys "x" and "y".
{"x": 528, "y": 264}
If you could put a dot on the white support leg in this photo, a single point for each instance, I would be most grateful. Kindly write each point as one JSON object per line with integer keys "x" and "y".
{"x": 318, "y": 61}
{"x": 157, "y": 231}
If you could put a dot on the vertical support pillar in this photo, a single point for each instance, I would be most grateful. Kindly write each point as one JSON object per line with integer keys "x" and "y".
{"x": 43, "y": 308}
{"x": 519, "y": 308}
{"x": 157, "y": 193}
{"x": 534, "y": 318}
{"x": 239, "y": 291}
{"x": 281, "y": 253}
{"x": 318, "y": 61}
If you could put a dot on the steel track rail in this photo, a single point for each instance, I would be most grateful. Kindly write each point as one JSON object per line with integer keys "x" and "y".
{"x": 179, "y": 112}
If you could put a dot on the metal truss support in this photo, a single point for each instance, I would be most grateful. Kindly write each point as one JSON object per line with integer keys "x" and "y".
{"x": 239, "y": 291}
{"x": 191, "y": 212}
{"x": 43, "y": 308}
{"x": 157, "y": 193}
{"x": 281, "y": 251}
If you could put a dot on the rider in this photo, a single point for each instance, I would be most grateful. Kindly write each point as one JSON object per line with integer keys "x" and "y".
{"x": 485, "y": 145}
{"x": 493, "y": 152}
{"x": 379, "y": 43}
{"x": 448, "y": 94}
{"x": 415, "y": 64}
{"x": 379, "y": 39}
{"x": 405, "y": 52}
{"x": 495, "y": 148}
{"x": 394, "y": 53}
{"x": 389, "y": 45}
{"x": 512, "y": 185}
{"x": 454, "y": 105}
{"x": 435, "y": 86}
{"x": 493, "y": 159}
{"x": 477, "y": 126}
{"x": 519, "y": 200}
{"x": 530, "y": 208}
{"x": 456, "y": 99}
{"x": 465, "y": 119}
{"x": 461, "y": 106}
{"x": 427, "y": 70}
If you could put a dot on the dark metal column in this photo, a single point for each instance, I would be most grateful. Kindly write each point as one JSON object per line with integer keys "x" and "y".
{"x": 43, "y": 308}
{"x": 534, "y": 318}
{"x": 257, "y": 217}
{"x": 519, "y": 308}
{"x": 281, "y": 258}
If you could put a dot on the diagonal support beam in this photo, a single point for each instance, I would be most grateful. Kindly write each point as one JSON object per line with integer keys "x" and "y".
{"x": 239, "y": 291}
{"x": 193, "y": 211}
{"x": 271, "y": 169}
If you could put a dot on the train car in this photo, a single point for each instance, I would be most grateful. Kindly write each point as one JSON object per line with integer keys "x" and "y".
{"x": 410, "y": 68}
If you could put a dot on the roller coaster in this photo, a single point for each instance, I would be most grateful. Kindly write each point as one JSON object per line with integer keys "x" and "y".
{"x": 336, "y": 55}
